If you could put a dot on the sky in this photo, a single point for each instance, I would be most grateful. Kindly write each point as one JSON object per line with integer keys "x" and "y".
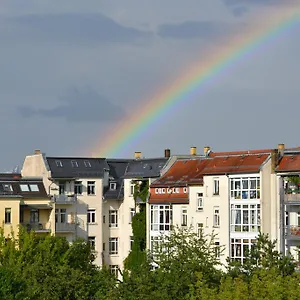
{"x": 69, "y": 70}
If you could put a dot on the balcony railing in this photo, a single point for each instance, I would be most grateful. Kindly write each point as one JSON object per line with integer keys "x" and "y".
{"x": 37, "y": 227}
{"x": 293, "y": 232}
{"x": 65, "y": 227}
{"x": 293, "y": 197}
{"x": 64, "y": 199}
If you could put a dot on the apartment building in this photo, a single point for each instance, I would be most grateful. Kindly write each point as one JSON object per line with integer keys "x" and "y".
{"x": 233, "y": 194}
{"x": 24, "y": 202}
{"x": 96, "y": 198}
{"x": 288, "y": 171}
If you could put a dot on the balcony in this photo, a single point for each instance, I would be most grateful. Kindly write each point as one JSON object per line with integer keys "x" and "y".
{"x": 292, "y": 232}
{"x": 292, "y": 198}
{"x": 65, "y": 227}
{"x": 64, "y": 199}
{"x": 38, "y": 227}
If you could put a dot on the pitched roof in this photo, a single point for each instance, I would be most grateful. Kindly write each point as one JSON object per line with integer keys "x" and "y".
{"x": 187, "y": 172}
{"x": 145, "y": 168}
{"x": 22, "y": 187}
{"x": 289, "y": 163}
{"x": 180, "y": 173}
{"x": 77, "y": 167}
{"x": 242, "y": 152}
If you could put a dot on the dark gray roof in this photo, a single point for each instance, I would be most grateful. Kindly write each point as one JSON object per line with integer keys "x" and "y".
{"x": 117, "y": 169}
{"x": 77, "y": 167}
{"x": 22, "y": 187}
{"x": 145, "y": 168}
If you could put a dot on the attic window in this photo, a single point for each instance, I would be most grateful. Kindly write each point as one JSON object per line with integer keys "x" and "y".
{"x": 87, "y": 164}
{"x": 7, "y": 187}
{"x": 34, "y": 187}
{"x": 113, "y": 186}
{"x": 74, "y": 163}
{"x": 24, "y": 187}
{"x": 58, "y": 163}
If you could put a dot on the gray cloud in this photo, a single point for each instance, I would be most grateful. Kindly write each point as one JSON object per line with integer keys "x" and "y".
{"x": 252, "y": 2}
{"x": 78, "y": 28}
{"x": 239, "y": 11}
{"x": 193, "y": 29}
{"x": 84, "y": 105}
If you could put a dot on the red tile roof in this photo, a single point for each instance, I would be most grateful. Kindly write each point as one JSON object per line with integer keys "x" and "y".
{"x": 289, "y": 163}
{"x": 243, "y": 152}
{"x": 187, "y": 172}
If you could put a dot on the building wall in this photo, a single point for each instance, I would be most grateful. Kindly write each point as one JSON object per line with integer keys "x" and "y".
{"x": 14, "y": 205}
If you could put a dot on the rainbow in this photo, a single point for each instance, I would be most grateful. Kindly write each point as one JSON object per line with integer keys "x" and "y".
{"x": 153, "y": 110}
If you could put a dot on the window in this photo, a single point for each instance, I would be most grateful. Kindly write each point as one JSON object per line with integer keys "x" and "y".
{"x": 103, "y": 218}
{"x": 216, "y": 186}
{"x": 91, "y": 216}
{"x": 91, "y": 187}
{"x": 60, "y": 215}
{"x": 113, "y": 245}
{"x": 113, "y": 218}
{"x": 61, "y": 187}
{"x": 74, "y": 163}
{"x": 87, "y": 164}
{"x": 161, "y": 217}
{"x": 103, "y": 247}
{"x": 58, "y": 163}
{"x": 78, "y": 188}
{"x": 131, "y": 243}
{"x": 113, "y": 186}
{"x": 7, "y": 187}
{"x": 34, "y": 187}
{"x": 217, "y": 249}
{"x": 7, "y": 215}
{"x": 24, "y": 187}
{"x": 245, "y": 188}
{"x": 199, "y": 201}
{"x": 34, "y": 216}
{"x": 199, "y": 229}
{"x": 239, "y": 248}
{"x": 245, "y": 218}
{"x": 132, "y": 213}
{"x": 92, "y": 241}
{"x": 114, "y": 270}
{"x": 184, "y": 217}
{"x": 216, "y": 217}
{"x": 131, "y": 189}
{"x": 155, "y": 243}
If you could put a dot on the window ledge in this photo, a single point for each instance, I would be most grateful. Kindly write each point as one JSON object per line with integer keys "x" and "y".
{"x": 199, "y": 210}
{"x": 114, "y": 255}
{"x": 114, "y": 227}
{"x": 92, "y": 223}
{"x": 216, "y": 226}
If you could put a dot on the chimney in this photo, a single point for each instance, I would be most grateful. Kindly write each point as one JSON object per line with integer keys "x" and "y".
{"x": 167, "y": 153}
{"x": 37, "y": 151}
{"x": 274, "y": 159}
{"x": 206, "y": 150}
{"x": 137, "y": 155}
{"x": 281, "y": 149}
{"x": 193, "y": 151}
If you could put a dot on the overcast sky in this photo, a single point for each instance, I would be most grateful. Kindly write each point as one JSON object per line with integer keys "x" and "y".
{"x": 70, "y": 69}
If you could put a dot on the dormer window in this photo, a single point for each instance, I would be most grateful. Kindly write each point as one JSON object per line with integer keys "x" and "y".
{"x": 113, "y": 186}
{"x": 58, "y": 163}
{"x": 74, "y": 163}
{"x": 24, "y": 187}
{"x": 7, "y": 187}
{"x": 87, "y": 164}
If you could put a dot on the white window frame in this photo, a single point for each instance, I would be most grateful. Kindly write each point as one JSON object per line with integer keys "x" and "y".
{"x": 216, "y": 216}
{"x": 160, "y": 217}
{"x": 92, "y": 241}
{"x": 217, "y": 249}
{"x": 200, "y": 202}
{"x": 113, "y": 218}
{"x": 131, "y": 243}
{"x": 132, "y": 214}
{"x": 113, "y": 245}
{"x": 112, "y": 186}
{"x": 91, "y": 216}
{"x": 239, "y": 247}
{"x": 199, "y": 229}
{"x": 216, "y": 187}
{"x": 61, "y": 215}
{"x": 245, "y": 188}
{"x": 87, "y": 164}
{"x": 74, "y": 164}
{"x": 78, "y": 187}
{"x": 91, "y": 188}
{"x": 131, "y": 193}
{"x": 245, "y": 217}
{"x": 7, "y": 215}
{"x": 114, "y": 270}
{"x": 184, "y": 216}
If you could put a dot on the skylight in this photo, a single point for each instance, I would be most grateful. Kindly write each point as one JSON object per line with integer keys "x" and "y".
{"x": 74, "y": 163}
{"x": 87, "y": 164}
{"x": 113, "y": 186}
{"x": 34, "y": 187}
{"x": 58, "y": 163}
{"x": 24, "y": 187}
